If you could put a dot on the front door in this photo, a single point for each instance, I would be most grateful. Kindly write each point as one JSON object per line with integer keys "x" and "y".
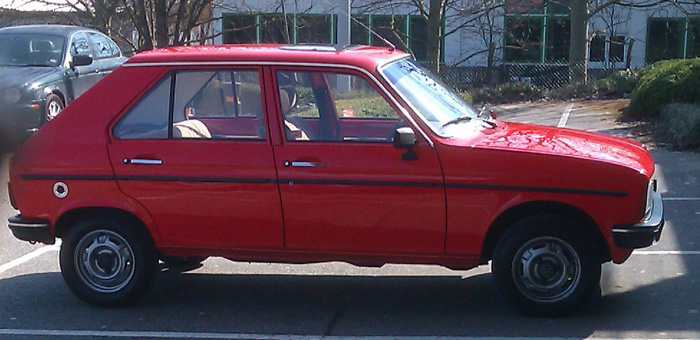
{"x": 195, "y": 152}
{"x": 344, "y": 187}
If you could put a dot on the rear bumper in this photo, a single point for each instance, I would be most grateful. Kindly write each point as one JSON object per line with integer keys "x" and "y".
{"x": 642, "y": 234}
{"x": 32, "y": 230}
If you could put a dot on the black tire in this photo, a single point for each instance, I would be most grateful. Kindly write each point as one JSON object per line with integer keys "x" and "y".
{"x": 184, "y": 263}
{"x": 108, "y": 260}
{"x": 54, "y": 106}
{"x": 545, "y": 265}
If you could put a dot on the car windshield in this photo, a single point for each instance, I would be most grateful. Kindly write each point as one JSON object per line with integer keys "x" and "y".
{"x": 440, "y": 106}
{"x": 24, "y": 49}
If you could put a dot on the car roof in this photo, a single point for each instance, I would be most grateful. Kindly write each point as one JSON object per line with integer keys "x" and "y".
{"x": 47, "y": 29}
{"x": 361, "y": 56}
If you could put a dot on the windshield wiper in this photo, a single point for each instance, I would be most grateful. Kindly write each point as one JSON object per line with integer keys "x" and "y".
{"x": 468, "y": 118}
{"x": 458, "y": 119}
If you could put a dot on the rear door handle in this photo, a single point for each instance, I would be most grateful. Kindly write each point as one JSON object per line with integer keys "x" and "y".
{"x": 143, "y": 161}
{"x": 304, "y": 164}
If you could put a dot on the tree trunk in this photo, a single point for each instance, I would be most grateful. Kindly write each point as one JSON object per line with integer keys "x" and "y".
{"x": 578, "y": 50}
{"x": 161, "y": 23}
{"x": 435, "y": 19}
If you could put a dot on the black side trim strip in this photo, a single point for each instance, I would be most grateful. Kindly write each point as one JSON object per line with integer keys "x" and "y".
{"x": 370, "y": 183}
{"x": 537, "y": 189}
{"x": 69, "y": 177}
{"x": 329, "y": 182}
{"x": 196, "y": 179}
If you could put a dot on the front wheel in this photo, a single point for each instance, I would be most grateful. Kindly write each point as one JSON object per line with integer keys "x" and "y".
{"x": 106, "y": 260}
{"x": 54, "y": 106}
{"x": 546, "y": 265}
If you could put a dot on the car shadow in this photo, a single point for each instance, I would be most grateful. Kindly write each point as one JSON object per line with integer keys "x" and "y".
{"x": 342, "y": 305}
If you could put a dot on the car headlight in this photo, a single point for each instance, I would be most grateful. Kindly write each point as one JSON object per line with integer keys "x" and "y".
{"x": 11, "y": 95}
{"x": 651, "y": 189}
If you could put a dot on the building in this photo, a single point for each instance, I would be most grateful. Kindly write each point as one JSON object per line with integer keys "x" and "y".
{"x": 522, "y": 32}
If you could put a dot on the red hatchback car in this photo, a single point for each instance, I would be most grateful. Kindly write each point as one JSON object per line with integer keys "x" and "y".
{"x": 305, "y": 154}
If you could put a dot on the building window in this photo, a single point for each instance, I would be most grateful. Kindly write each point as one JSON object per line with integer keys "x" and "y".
{"x": 606, "y": 49}
{"x": 523, "y": 40}
{"x": 274, "y": 29}
{"x": 360, "y": 34}
{"x": 418, "y": 37}
{"x": 316, "y": 29}
{"x": 693, "y": 50}
{"x": 391, "y": 28}
{"x": 665, "y": 39}
{"x": 239, "y": 28}
{"x": 537, "y": 31}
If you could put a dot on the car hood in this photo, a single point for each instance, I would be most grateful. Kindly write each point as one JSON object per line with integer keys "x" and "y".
{"x": 568, "y": 143}
{"x": 19, "y": 76}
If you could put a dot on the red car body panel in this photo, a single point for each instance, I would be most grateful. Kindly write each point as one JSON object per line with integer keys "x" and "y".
{"x": 360, "y": 202}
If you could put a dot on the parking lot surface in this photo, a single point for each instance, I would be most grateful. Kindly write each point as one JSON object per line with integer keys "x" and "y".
{"x": 654, "y": 295}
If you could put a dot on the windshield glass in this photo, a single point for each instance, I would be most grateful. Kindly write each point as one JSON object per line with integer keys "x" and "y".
{"x": 439, "y": 105}
{"x": 21, "y": 49}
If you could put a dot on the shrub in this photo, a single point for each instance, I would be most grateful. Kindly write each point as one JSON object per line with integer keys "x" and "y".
{"x": 508, "y": 92}
{"x": 665, "y": 82}
{"x": 618, "y": 84}
{"x": 682, "y": 122}
{"x": 571, "y": 91}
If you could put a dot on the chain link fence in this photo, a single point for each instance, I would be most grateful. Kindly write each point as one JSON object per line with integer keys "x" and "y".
{"x": 549, "y": 76}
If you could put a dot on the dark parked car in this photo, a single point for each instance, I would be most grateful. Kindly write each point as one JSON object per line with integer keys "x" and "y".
{"x": 45, "y": 67}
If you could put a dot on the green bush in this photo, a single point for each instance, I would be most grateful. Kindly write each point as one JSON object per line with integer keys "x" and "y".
{"x": 571, "y": 91}
{"x": 506, "y": 93}
{"x": 665, "y": 82}
{"x": 618, "y": 84}
{"x": 682, "y": 122}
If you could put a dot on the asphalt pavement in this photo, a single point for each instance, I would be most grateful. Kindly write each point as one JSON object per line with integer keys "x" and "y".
{"x": 654, "y": 295}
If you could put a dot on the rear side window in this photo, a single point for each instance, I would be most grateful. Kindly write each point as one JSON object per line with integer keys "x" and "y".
{"x": 206, "y": 104}
{"x": 148, "y": 119}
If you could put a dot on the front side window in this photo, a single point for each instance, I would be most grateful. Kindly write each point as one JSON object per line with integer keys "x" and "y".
{"x": 333, "y": 106}
{"x": 79, "y": 45}
{"x": 207, "y": 104}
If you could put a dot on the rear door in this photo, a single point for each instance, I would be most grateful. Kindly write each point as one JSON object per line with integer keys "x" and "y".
{"x": 344, "y": 187}
{"x": 195, "y": 152}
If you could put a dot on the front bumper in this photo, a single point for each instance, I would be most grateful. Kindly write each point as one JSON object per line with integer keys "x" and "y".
{"x": 643, "y": 234}
{"x": 32, "y": 230}
{"x": 20, "y": 120}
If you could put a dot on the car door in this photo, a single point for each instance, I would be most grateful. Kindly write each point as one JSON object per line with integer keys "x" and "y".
{"x": 344, "y": 187}
{"x": 201, "y": 166}
{"x": 107, "y": 54}
{"x": 80, "y": 78}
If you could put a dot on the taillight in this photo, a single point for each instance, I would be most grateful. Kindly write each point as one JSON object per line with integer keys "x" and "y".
{"x": 12, "y": 197}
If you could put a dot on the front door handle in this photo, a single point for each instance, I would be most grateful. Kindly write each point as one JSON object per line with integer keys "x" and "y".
{"x": 304, "y": 164}
{"x": 143, "y": 161}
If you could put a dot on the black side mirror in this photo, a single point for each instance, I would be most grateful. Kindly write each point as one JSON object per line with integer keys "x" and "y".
{"x": 81, "y": 60}
{"x": 405, "y": 138}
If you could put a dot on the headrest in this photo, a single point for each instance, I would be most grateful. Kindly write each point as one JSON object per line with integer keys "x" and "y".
{"x": 42, "y": 45}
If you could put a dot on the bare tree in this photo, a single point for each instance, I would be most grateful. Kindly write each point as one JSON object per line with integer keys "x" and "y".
{"x": 157, "y": 23}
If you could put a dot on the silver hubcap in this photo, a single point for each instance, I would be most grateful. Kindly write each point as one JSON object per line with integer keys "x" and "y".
{"x": 546, "y": 269}
{"x": 105, "y": 261}
{"x": 53, "y": 110}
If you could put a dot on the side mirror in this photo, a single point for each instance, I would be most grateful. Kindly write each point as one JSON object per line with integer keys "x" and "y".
{"x": 81, "y": 60}
{"x": 404, "y": 138}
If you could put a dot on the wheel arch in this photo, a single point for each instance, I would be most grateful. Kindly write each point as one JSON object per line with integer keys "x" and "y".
{"x": 509, "y": 217}
{"x": 64, "y": 222}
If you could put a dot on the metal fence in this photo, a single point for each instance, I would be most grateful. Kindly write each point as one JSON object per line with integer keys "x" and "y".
{"x": 548, "y": 76}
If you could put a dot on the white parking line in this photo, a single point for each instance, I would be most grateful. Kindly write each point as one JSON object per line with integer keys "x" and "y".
{"x": 41, "y": 251}
{"x": 565, "y": 116}
{"x": 666, "y": 252}
{"x": 681, "y": 198}
{"x": 193, "y": 335}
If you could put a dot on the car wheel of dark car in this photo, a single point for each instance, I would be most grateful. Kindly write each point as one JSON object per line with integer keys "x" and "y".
{"x": 106, "y": 261}
{"x": 544, "y": 265}
{"x": 54, "y": 106}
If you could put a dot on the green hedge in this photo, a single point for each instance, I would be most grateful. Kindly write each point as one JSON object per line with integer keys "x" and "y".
{"x": 665, "y": 82}
{"x": 682, "y": 125}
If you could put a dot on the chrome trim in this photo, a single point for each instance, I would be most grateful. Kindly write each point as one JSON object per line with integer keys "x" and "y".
{"x": 276, "y": 64}
{"x": 141, "y": 161}
{"x": 27, "y": 225}
{"x": 307, "y": 164}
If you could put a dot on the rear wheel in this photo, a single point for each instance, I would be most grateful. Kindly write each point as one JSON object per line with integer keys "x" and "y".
{"x": 546, "y": 265}
{"x": 107, "y": 261}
